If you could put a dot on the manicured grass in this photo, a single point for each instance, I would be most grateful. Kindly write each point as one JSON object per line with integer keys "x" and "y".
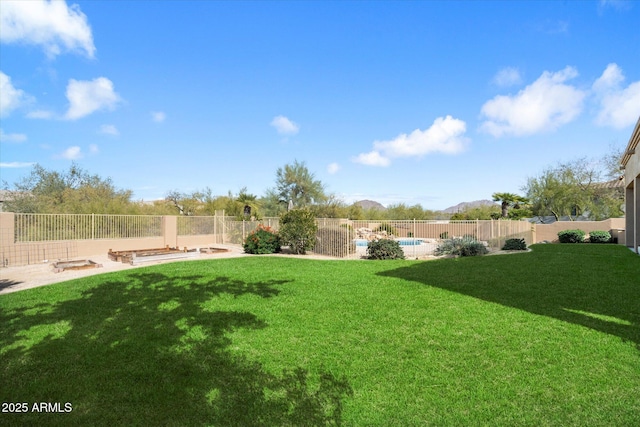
{"x": 545, "y": 338}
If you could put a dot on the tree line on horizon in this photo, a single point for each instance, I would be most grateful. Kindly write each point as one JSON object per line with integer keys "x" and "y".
{"x": 568, "y": 189}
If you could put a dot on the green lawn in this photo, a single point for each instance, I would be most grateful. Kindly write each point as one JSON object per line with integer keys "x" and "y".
{"x": 545, "y": 338}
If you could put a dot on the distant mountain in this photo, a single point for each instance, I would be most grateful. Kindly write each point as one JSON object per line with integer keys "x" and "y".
{"x": 370, "y": 204}
{"x": 467, "y": 205}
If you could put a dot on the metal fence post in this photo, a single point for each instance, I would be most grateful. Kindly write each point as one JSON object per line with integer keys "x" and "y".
{"x": 414, "y": 237}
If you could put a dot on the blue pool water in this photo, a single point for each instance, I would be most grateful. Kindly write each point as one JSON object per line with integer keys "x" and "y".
{"x": 403, "y": 242}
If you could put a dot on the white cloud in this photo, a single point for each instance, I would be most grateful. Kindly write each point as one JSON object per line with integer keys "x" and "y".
{"x": 13, "y": 165}
{"x": 72, "y": 153}
{"x": 40, "y": 114}
{"x": 50, "y": 24}
{"x": 158, "y": 116}
{"x": 285, "y": 126}
{"x": 333, "y": 168}
{"x": 544, "y": 105}
{"x": 12, "y": 137}
{"x": 10, "y": 97}
{"x": 508, "y": 76}
{"x": 372, "y": 158}
{"x": 619, "y": 107}
{"x": 93, "y": 149}
{"x": 446, "y": 135}
{"x": 620, "y": 5}
{"x": 109, "y": 130}
{"x": 86, "y": 97}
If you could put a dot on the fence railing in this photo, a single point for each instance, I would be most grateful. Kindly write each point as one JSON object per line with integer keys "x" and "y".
{"x": 341, "y": 238}
{"x": 55, "y": 227}
{"x": 345, "y": 238}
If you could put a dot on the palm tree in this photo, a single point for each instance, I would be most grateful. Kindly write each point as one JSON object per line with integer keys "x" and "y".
{"x": 248, "y": 200}
{"x": 508, "y": 200}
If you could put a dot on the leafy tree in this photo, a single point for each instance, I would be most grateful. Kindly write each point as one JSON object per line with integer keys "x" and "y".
{"x": 485, "y": 212}
{"x": 355, "y": 212}
{"x": 331, "y": 207}
{"x": 271, "y": 203}
{"x": 185, "y": 204}
{"x": 572, "y": 189}
{"x": 73, "y": 191}
{"x": 401, "y": 211}
{"x": 611, "y": 163}
{"x": 298, "y": 230}
{"x": 202, "y": 202}
{"x": 295, "y": 183}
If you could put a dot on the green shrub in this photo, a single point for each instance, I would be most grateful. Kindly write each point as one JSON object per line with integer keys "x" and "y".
{"x": 461, "y": 247}
{"x": 571, "y": 236}
{"x": 298, "y": 230}
{"x": 384, "y": 249}
{"x": 599, "y": 237}
{"x": 263, "y": 240}
{"x": 385, "y": 226}
{"x": 514, "y": 245}
{"x": 444, "y": 235}
{"x": 335, "y": 241}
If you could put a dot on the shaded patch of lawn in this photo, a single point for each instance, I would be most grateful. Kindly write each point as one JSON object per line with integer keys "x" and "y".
{"x": 141, "y": 348}
{"x": 597, "y": 286}
{"x": 543, "y": 338}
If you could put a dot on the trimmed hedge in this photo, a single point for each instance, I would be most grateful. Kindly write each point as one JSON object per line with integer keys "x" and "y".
{"x": 599, "y": 237}
{"x": 515, "y": 245}
{"x": 571, "y": 236}
{"x": 384, "y": 249}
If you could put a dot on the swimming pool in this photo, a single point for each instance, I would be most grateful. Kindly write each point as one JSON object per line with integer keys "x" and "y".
{"x": 402, "y": 242}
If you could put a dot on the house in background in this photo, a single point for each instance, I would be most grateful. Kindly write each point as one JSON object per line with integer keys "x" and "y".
{"x": 631, "y": 164}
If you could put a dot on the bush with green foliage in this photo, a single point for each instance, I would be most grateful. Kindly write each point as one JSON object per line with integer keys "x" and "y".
{"x": 461, "y": 247}
{"x": 514, "y": 245}
{"x": 263, "y": 240}
{"x": 444, "y": 235}
{"x": 384, "y": 249}
{"x": 385, "y": 226}
{"x": 335, "y": 241}
{"x": 571, "y": 236}
{"x": 599, "y": 237}
{"x": 298, "y": 230}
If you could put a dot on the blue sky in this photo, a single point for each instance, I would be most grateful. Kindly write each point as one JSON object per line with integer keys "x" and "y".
{"x": 400, "y": 102}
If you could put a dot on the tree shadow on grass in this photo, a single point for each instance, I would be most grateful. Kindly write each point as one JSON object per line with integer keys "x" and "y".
{"x": 149, "y": 350}
{"x": 6, "y": 283}
{"x": 594, "y": 286}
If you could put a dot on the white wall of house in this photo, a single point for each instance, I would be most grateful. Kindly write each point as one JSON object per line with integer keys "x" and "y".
{"x": 631, "y": 163}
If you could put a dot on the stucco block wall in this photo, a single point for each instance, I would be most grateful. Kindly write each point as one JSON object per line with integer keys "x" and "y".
{"x": 549, "y": 232}
{"x": 25, "y": 253}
